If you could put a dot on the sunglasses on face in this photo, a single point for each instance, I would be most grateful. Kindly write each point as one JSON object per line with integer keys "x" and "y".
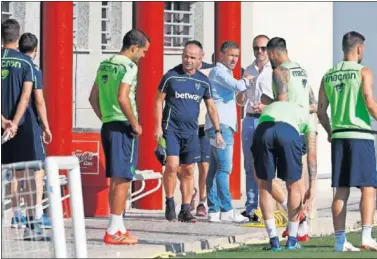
{"x": 263, "y": 48}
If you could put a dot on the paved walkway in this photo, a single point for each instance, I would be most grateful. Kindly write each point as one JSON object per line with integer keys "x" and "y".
{"x": 158, "y": 237}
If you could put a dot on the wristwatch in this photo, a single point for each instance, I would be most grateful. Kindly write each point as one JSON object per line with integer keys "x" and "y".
{"x": 218, "y": 131}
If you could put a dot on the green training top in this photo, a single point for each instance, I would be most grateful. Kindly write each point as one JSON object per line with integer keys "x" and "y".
{"x": 288, "y": 112}
{"x": 111, "y": 73}
{"x": 342, "y": 85}
{"x": 298, "y": 86}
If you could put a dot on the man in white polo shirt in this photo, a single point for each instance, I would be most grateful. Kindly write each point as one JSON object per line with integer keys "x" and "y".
{"x": 251, "y": 99}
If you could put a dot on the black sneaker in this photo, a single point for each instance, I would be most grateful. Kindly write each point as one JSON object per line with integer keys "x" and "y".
{"x": 186, "y": 216}
{"x": 170, "y": 210}
{"x": 251, "y": 216}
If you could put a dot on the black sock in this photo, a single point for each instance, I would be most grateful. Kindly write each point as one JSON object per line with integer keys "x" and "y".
{"x": 171, "y": 199}
{"x": 185, "y": 207}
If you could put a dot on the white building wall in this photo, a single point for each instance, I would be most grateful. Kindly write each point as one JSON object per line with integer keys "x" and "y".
{"x": 87, "y": 64}
{"x": 307, "y": 28}
{"x": 33, "y": 13}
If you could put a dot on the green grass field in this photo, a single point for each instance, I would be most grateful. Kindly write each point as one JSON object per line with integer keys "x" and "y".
{"x": 320, "y": 247}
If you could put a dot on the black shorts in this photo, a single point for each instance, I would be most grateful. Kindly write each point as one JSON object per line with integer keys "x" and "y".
{"x": 277, "y": 145}
{"x": 204, "y": 146}
{"x": 27, "y": 145}
{"x": 120, "y": 148}
{"x": 353, "y": 163}
{"x": 184, "y": 145}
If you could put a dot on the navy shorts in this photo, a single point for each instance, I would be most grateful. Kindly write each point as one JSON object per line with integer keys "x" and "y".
{"x": 353, "y": 163}
{"x": 184, "y": 145}
{"x": 204, "y": 146}
{"x": 120, "y": 148}
{"x": 277, "y": 145}
{"x": 27, "y": 145}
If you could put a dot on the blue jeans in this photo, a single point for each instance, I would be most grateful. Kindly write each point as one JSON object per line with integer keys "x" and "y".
{"x": 220, "y": 167}
{"x": 252, "y": 192}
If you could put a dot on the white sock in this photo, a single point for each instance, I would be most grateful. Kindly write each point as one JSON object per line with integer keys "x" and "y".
{"x": 292, "y": 229}
{"x": 38, "y": 211}
{"x": 366, "y": 234}
{"x": 285, "y": 205}
{"x": 116, "y": 224}
{"x": 303, "y": 228}
{"x": 270, "y": 227}
{"x": 17, "y": 212}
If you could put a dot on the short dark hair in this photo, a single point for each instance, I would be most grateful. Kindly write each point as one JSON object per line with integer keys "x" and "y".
{"x": 135, "y": 37}
{"x": 28, "y": 42}
{"x": 228, "y": 45}
{"x": 351, "y": 39}
{"x": 194, "y": 42}
{"x": 277, "y": 43}
{"x": 10, "y": 31}
{"x": 260, "y": 36}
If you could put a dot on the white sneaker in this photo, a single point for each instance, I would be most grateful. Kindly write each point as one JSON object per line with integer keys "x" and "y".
{"x": 347, "y": 247}
{"x": 370, "y": 244}
{"x": 214, "y": 217}
{"x": 234, "y": 216}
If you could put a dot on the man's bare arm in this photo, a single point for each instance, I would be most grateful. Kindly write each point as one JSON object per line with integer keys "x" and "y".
{"x": 280, "y": 77}
{"x": 94, "y": 100}
{"x": 323, "y": 104}
{"x": 367, "y": 88}
{"x": 24, "y": 101}
{"x": 312, "y": 102}
{"x": 212, "y": 113}
{"x": 158, "y": 107}
{"x": 125, "y": 104}
{"x": 266, "y": 100}
{"x": 241, "y": 98}
{"x": 41, "y": 107}
{"x": 3, "y": 122}
{"x": 312, "y": 156}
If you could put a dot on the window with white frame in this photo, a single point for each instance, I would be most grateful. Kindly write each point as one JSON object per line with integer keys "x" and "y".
{"x": 178, "y": 24}
{"x": 105, "y": 25}
{"x": 6, "y": 10}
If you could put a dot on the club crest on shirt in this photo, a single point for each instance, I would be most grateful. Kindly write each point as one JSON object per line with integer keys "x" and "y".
{"x": 339, "y": 87}
{"x": 4, "y": 73}
{"x": 105, "y": 78}
{"x": 197, "y": 86}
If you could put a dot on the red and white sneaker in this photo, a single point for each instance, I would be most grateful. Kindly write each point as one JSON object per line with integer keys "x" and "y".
{"x": 304, "y": 238}
{"x": 300, "y": 238}
{"x": 369, "y": 245}
{"x": 120, "y": 239}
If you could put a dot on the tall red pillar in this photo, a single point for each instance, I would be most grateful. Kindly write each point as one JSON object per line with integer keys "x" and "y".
{"x": 57, "y": 26}
{"x": 149, "y": 17}
{"x": 57, "y": 62}
{"x": 228, "y": 27}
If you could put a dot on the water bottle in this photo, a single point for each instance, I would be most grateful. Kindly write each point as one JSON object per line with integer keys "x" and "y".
{"x": 212, "y": 141}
